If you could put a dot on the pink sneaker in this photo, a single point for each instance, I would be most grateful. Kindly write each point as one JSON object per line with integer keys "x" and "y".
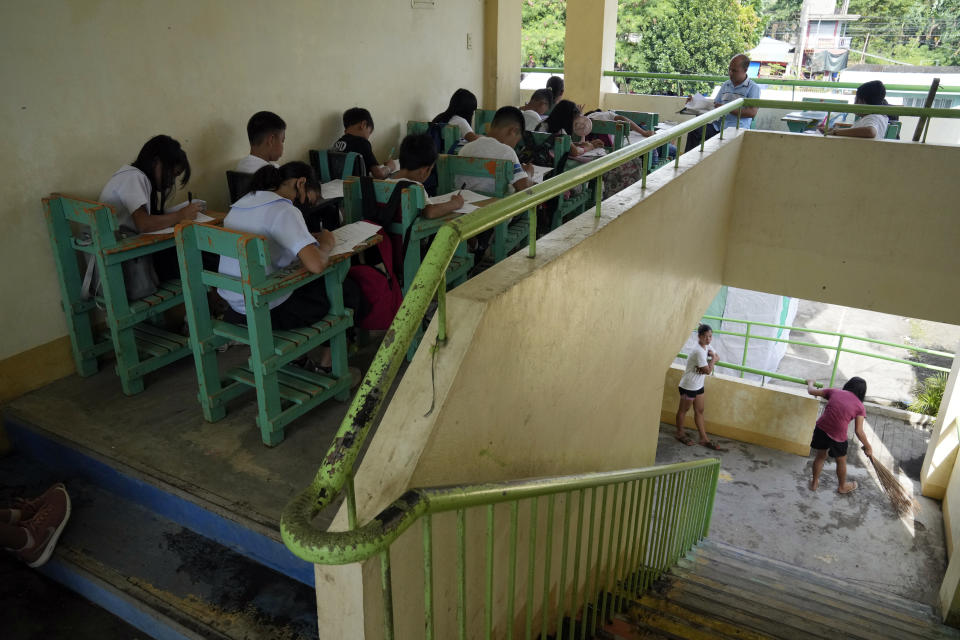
{"x": 23, "y": 509}
{"x": 46, "y": 526}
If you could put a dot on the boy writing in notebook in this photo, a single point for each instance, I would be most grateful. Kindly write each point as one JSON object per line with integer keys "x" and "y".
{"x": 418, "y": 154}
{"x": 357, "y": 129}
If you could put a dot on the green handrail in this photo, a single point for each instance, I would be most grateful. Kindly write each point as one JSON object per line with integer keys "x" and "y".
{"x": 746, "y": 335}
{"x": 335, "y": 471}
{"x": 786, "y": 82}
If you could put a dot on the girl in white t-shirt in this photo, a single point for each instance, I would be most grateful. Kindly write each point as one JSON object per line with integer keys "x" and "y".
{"x": 139, "y": 192}
{"x": 700, "y": 364}
{"x": 460, "y": 112}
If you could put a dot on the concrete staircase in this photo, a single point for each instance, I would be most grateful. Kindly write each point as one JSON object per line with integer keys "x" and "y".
{"x": 720, "y": 591}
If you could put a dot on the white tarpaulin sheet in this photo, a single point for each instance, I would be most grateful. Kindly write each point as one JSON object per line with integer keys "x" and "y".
{"x": 743, "y": 304}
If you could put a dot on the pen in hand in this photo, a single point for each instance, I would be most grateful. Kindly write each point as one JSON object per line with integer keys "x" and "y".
{"x": 189, "y": 197}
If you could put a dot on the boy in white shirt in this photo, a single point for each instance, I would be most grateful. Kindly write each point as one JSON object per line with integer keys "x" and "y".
{"x": 266, "y": 132}
{"x": 504, "y": 133}
{"x": 872, "y": 125}
{"x": 540, "y": 103}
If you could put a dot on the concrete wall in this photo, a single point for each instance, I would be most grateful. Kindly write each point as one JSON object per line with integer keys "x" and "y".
{"x": 87, "y": 82}
{"x": 745, "y": 411}
{"x": 862, "y": 223}
{"x": 950, "y": 587}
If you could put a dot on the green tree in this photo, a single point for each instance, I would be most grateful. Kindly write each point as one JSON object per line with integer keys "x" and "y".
{"x": 697, "y": 36}
{"x": 543, "y": 31}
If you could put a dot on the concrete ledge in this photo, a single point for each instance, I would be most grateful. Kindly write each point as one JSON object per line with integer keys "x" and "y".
{"x": 745, "y": 411}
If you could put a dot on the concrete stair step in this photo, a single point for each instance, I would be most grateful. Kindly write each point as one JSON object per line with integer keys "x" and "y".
{"x": 854, "y": 593}
{"x": 162, "y": 578}
{"x": 655, "y": 613}
{"x": 804, "y": 589}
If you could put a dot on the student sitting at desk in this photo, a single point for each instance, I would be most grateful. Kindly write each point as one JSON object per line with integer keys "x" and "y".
{"x": 460, "y": 112}
{"x": 564, "y": 120}
{"x": 872, "y": 125}
{"x": 540, "y": 103}
{"x": 138, "y": 193}
{"x": 270, "y": 209}
{"x": 418, "y": 154}
{"x": 357, "y": 129}
{"x": 504, "y": 133}
{"x": 266, "y": 132}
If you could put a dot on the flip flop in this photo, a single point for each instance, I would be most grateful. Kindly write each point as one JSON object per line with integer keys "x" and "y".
{"x": 854, "y": 488}
{"x": 710, "y": 444}
{"x": 685, "y": 440}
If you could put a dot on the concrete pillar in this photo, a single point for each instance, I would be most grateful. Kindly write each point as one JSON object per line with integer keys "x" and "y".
{"x": 340, "y": 603}
{"x": 501, "y": 53}
{"x": 589, "y": 50}
{"x": 943, "y": 446}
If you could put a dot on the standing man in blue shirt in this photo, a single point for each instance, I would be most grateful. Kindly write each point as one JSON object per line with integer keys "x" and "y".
{"x": 738, "y": 86}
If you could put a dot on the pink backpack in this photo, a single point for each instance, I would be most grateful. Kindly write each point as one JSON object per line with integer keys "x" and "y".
{"x": 381, "y": 290}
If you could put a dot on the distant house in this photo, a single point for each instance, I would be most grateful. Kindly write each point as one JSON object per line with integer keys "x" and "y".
{"x": 825, "y": 42}
{"x": 770, "y": 58}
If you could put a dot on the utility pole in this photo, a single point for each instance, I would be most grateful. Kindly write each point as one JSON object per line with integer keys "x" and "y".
{"x": 801, "y": 39}
{"x": 863, "y": 53}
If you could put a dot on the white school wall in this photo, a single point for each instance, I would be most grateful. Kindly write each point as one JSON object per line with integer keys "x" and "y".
{"x": 87, "y": 82}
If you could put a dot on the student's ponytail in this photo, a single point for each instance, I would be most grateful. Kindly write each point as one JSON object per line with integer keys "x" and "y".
{"x": 269, "y": 177}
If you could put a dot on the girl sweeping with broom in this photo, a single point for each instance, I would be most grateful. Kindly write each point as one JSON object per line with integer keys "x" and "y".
{"x": 830, "y": 434}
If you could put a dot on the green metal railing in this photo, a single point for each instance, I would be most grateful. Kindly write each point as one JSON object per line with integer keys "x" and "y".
{"x": 838, "y": 349}
{"x": 785, "y": 82}
{"x": 603, "y": 539}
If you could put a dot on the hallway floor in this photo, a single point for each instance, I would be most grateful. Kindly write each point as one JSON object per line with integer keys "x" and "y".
{"x": 763, "y": 504}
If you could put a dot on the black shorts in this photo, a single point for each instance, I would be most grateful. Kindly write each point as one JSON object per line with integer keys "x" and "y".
{"x": 690, "y": 394}
{"x": 822, "y": 441}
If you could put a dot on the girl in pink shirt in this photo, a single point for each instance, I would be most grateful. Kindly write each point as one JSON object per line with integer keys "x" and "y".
{"x": 830, "y": 434}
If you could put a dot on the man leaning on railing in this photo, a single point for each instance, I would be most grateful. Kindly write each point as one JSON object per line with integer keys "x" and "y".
{"x": 738, "y": 86}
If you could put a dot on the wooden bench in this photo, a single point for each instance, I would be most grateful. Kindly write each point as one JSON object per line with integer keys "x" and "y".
{"x": 620, "y": 131}
{"x": 649, "y": 121}
{"x": 410, "y": 229}
{"x": 284, "y": 391}
{"x": 451, "y": 170}
{"x": 336, "y": 165}
{"x": 482, "y": 119}
{"x": 449, "y": 133}
{"x": 78, "y": 226}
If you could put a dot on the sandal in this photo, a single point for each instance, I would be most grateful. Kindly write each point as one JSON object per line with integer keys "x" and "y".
{"x": 684, "y": 440}
{"x": 710, "y": 444}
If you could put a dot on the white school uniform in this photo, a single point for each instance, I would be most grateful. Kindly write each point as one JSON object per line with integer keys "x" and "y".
{"x": 126, "y": 191}
{"x": 532, "y": 119}
{"x": 251, "y": 163}
{"x": 274, "y": 217}
{"x": 692, "y": 380}
{"x": 875, "y": 120}
{"x": 487, "y": 147}
{"x": 464, "y": 126}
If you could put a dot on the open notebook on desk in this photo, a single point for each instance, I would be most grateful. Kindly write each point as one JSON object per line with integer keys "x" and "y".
{"x": 350, "y": 235}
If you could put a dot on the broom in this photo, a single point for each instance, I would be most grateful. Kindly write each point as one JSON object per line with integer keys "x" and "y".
{"x": 902, "y": 502}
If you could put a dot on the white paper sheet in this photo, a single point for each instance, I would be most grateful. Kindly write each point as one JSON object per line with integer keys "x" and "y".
{"x": 201, "y": 217}
{"x": 467, "y": 208}
{"x": 539, "y": 172}
{"x": 332, "y": 189}
{"x": 593, "y": 153}
{"x": 698, "y": 104}
{"x": 466, "y": 194}
{"x": 350, "y": 235}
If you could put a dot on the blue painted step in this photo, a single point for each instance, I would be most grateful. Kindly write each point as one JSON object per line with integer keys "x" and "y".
{"x": 72, "y": 460}
{"x": 166, "y": 580}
